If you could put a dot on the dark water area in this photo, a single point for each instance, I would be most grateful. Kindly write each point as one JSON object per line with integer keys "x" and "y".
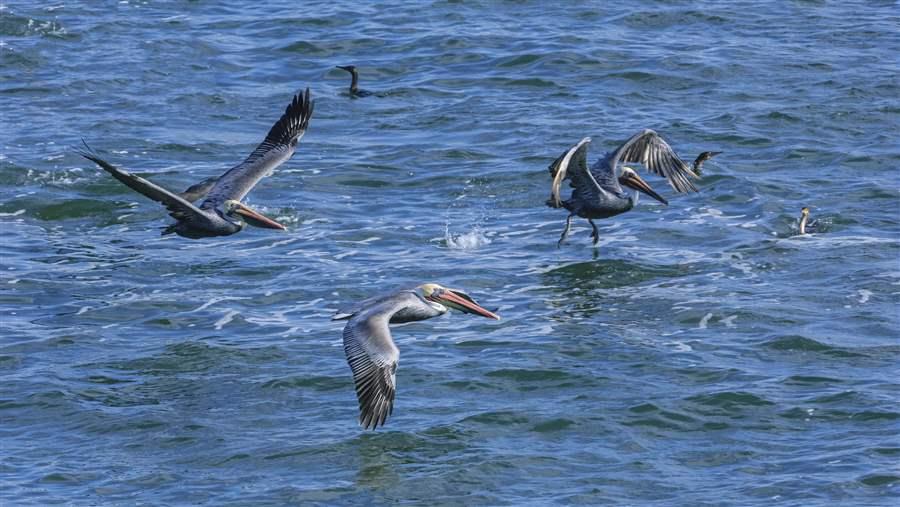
{"x": 704, "y": 354}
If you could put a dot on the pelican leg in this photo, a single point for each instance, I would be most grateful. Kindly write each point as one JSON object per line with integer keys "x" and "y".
{"x": 565, "y": 232}
{"x": 595, "y": 233}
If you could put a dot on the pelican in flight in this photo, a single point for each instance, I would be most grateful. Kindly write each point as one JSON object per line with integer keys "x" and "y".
{"x": 805, "y": 225}
{"x": 703, "y": 157}
{"x": 597, "y": 191}
{"x": 370, "y": 349}
{"x": 354, "y": 81}
{"x": 222, "y": 213}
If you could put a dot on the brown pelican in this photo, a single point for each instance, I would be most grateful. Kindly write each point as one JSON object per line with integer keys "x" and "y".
{"x": 805, "y": 225}
{"x": 703, "y": 157}
{"x": 354, "y": 81}
{"x": 222, "y": 213}
{"x": 597, "y": 192}
{"x": 370, "y": 349}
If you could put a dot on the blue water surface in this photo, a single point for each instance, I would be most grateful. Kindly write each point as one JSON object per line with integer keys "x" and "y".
{"x": 704, "y": 354}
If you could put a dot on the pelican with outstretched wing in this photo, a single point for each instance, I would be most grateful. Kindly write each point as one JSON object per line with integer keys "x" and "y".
{"x": 598, "y": 191}
{"x": 222, "y": 213}
{"x": 370, "y": 349}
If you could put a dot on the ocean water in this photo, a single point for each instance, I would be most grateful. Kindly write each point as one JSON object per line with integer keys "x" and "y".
{"x": 704, "y": 354}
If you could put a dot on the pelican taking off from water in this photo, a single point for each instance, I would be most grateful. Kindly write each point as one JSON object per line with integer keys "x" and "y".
{"x": 597, "y": 192}
{"x": 370, "y": 349}
{"x": 354, "y": 81}
{"x": 222, "y": 213}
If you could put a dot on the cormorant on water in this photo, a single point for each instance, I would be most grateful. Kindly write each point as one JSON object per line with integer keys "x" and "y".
{"x": 805, "y": 225}
{"x": 703, "y": 157}
{"x": 354, "y": 89}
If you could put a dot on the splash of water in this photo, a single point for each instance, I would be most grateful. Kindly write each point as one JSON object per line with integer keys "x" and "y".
{"x": 471, "y": 240}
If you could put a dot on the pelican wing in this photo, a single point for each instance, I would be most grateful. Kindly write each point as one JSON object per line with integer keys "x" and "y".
{"x": 654, "y": 153}
{"x": 572, "y": 165}
{"x": 373, "y": 358}
{"x": 199, "y": 191}
{"x": 178, "y": 207}
{"x": 278, "y": 146}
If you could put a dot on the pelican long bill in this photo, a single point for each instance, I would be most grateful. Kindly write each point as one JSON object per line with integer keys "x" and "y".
{"x": 255, "y": 218}
{"x": 632, "y": 180}
{"x": 463, "y": 302}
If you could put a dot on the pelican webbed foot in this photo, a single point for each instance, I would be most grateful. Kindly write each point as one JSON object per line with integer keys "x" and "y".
{"x": 595, "y": 234}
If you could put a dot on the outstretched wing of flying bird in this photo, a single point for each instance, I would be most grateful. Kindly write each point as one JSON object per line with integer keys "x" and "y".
{"x": 278, "y": 146}
{"x": 199, "y": 190}
{"x": 652, "y": 151}
{"x": 572, "y": 165}
{"x": 178, "y": 207}
{"x": 373, "y": 359}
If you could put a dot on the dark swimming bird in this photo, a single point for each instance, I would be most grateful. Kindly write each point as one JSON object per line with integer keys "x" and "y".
{"x": 370, "y": 349}
{"x": 597, "y": 192}
{"x": 703, "y": 157}
{"x": 354, "y": 82}
{"x": 805, "y": 225}
{"x": 222, "y": 213}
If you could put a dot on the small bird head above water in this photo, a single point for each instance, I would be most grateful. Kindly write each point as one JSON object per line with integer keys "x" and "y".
{"x": 243, "y": 213}
{"x": 629, "y": 177}
{"x": 442, "y": 298}
{"x": 349, "y": 68}
{"x": 809, "y": 226}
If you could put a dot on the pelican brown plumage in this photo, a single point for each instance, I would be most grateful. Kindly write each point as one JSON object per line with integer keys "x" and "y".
{"x": 597, "y": 191}
{"x": 222, "y": 213}
{"x": 371, "y": 351}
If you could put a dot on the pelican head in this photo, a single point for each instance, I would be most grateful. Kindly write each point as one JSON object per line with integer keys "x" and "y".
{"x": 630, "y": 179}
{"x": 246, "y": 214}
{"x": 441, "y": 298}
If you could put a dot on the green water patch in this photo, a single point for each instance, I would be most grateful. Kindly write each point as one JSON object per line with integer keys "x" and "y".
{"x": 65, "y": 210}
{"x": 880, "y": 479}
{"x": 497, "y": 418}
{"x": 195, "y": 357}
{"x": 810, "y": 380}
{"x": 518, "y": 61}
{"x": 610, "y": 273}
{"x": 553, "y": 425}
{"x": 729, "y": 402}
{"x": 797, "y": 343}
{"x": 303, "y": 47}
{"x": 301, "y": 382}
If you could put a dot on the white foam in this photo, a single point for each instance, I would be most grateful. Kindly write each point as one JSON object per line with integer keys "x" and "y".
{"x": 466, "y": 241}
{"x": 215, "y": 300}
{"x": 228, "y": 317}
